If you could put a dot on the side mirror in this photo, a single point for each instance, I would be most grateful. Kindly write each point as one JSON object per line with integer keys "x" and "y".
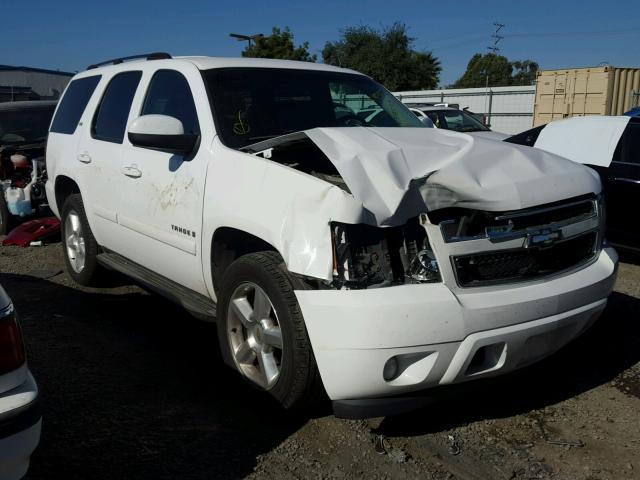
{"x": 161, "y": 132}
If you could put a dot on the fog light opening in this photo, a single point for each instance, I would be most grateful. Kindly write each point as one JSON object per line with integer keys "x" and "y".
{"x": 487, "y": 358}
{"x": 390, "y": 370}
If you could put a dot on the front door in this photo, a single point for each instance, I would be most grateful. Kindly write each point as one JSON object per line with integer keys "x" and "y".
{"x": 162, "y": 193}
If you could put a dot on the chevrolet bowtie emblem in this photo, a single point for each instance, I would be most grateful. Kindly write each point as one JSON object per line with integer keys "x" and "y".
{"x": 542, "y": 238}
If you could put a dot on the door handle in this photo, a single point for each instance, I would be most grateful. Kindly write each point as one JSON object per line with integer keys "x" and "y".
{"x": 626, "y": 180}
{"x": 84, "y": 158}
{"x": 132, "y": 171}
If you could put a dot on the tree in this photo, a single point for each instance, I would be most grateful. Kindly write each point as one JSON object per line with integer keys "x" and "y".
{"x": 526, "y": 71}
{"x": 279, "y": 45}
{"x": 497, "y": 67}
{"x": 499, "y": 70}
{"x": 385, "y": 55}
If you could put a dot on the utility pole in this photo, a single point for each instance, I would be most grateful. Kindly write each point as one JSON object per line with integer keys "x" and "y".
{"x": 493, "y": 48}
{"x": 246, "y": 38}
{"x": 496, "y": 37}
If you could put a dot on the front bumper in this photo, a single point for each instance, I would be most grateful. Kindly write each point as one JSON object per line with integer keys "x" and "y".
{"x": 441, "y": 338}
{"x": 20, "y": 424}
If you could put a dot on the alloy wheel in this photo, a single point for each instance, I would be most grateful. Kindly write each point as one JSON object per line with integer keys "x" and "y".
{"x": 254, "y": 335}
{"x": 74, "y": 241}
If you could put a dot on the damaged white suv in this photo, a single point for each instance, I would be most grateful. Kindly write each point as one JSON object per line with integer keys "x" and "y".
{"x": 368, "y": 255}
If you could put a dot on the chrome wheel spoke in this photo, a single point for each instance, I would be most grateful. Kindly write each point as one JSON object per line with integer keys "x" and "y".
{"x": 261, "y": 305}
{"x": 272, "y": 336}
{"x": 269, "y": 367}
{"x": 244, "y": 353}
{"x": 75, "y": 223}
{"x": 242, "y": 310}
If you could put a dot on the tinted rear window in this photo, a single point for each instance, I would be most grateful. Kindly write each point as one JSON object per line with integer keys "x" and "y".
{"x": 111, "y": 117}
{"x": 73, "y": 104}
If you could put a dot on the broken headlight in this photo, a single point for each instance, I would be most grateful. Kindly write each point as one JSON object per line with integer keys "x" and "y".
{"x": 371, "y": 257}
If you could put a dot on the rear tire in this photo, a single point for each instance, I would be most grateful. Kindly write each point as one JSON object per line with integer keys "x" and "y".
{"x": 262, "y": 332}
{"x": 78, "y": 243}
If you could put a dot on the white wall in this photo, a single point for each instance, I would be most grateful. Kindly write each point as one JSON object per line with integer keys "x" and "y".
{"x": 511, "y": 107}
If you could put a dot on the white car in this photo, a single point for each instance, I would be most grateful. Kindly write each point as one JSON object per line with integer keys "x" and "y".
{"x": 375, "y": 262}
{"x": 20, "y": 420}
{"x": 456, "y": 120}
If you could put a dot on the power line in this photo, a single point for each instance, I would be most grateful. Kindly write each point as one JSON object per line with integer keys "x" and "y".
{"x": 618, "y": 31}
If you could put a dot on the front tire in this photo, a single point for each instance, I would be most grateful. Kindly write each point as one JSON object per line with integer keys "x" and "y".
{"x": 261, "y": 330}
{"x": 78, "y": 243}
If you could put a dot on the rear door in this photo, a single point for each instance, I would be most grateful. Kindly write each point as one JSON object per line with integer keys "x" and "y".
{"x": 622, "y": 189}
{"x": 100, "y": 156}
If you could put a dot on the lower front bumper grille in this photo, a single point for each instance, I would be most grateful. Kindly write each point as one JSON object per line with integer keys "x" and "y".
{"x": 523, "y": 263}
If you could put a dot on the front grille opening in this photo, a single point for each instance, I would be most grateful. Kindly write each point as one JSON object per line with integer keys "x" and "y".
{"x": 523, "y": 264}
{"x": 459, "y": 224}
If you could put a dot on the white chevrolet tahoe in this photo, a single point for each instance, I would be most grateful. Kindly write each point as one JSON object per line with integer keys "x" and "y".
{"x": 375, "y": 259}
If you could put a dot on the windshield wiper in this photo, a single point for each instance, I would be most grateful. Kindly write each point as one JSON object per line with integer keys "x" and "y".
{"x": 274, "y": 140}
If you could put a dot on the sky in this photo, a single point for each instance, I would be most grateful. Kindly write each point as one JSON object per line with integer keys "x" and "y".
{"x": 69, "y": 35}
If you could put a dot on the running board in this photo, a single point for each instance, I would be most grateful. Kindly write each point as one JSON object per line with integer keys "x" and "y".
{"x": 198, "y": 305}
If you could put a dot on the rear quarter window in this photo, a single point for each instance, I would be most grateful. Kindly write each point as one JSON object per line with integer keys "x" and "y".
{"x": 73, "y": 104}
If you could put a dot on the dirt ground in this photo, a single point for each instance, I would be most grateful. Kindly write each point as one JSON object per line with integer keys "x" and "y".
{"x": 133, "y": 387}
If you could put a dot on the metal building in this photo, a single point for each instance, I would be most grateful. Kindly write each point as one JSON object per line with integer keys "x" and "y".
{"x": 509, "y": 109}
{"x": 26, "y": 83}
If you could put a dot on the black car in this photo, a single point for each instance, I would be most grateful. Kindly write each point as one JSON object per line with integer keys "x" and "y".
{"x": 620, "y": 181}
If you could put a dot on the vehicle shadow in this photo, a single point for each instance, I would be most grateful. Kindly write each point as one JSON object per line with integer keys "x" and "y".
{"x": 611, "y": 346}
{"x": 628, "y": 255}
{"x": 133, "y": 387}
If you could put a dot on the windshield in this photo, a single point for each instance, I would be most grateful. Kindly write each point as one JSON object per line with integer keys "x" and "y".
{"x": 456, "y": 120}
{"x": 25, "y": 126}
{"x": 254, "y": 104}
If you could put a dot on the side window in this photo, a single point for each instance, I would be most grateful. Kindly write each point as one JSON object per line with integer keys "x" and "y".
{"x": 628, "y": 149}
{"x": 169, "y": 94}
{"x": 73, "y": 104}
{"x": 110, "y": 120}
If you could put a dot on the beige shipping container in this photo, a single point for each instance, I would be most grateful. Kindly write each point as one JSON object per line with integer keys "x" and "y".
{"x": 585, "y": 91}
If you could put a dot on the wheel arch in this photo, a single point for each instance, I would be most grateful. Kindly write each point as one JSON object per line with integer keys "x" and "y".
{"x": 227, "y": 245}
{"x": 64, "y": 187}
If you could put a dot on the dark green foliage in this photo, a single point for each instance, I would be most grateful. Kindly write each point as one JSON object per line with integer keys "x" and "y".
{"x": 279, "y": 45}
{"x": 386, "y": 55}
{"x": 500, "y": 71}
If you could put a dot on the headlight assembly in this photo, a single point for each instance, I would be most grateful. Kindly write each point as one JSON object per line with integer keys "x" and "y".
{"x": 372, "y": 257}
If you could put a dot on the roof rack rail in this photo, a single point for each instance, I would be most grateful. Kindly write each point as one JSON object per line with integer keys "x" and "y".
{"x": 116, "y": 61}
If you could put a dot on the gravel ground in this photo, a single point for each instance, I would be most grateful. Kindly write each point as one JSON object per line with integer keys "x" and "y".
{"x": 133, "y": 387}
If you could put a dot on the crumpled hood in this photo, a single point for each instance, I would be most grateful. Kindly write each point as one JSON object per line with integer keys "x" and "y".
{"x": 398, "y": 173}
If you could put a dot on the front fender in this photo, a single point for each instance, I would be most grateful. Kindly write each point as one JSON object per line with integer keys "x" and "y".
{"x": 286, "y": 208}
